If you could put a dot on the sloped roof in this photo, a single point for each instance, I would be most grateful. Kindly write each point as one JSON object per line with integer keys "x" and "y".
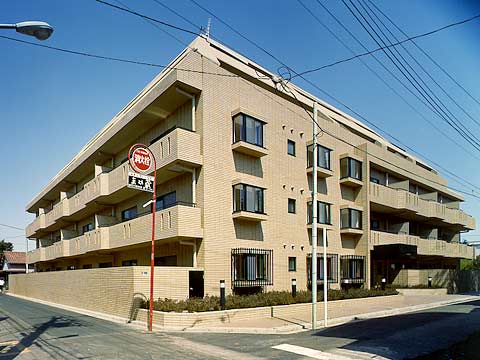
{"x": 15, "y": 257}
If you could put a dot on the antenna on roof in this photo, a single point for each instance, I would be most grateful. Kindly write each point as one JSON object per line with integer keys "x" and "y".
{"x": 207, "y": 30}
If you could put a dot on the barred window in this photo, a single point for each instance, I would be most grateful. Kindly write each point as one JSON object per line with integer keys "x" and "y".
{"x": 353, "y": 268}
{"x": 332, "y": 268}
{"x": 252, "y": 267}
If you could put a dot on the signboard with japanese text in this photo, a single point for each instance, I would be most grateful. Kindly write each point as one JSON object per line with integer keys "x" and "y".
{"x": 141, "y": 159}
{"x": 140, "y": 182}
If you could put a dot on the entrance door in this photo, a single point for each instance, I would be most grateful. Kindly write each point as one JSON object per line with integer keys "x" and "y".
{"x": 195, "y": 284}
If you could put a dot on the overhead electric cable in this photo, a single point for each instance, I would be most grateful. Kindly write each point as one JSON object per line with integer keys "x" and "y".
{"x": 470, "y": 138}
{"x": 418, "y": 112}
{"x": 427, "y": 55}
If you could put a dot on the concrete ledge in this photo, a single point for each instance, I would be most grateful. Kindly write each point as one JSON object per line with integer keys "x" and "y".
{"x": 408, "y": 292}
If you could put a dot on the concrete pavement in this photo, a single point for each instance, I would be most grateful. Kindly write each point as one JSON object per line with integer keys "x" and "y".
{"x": 30, "y": 330}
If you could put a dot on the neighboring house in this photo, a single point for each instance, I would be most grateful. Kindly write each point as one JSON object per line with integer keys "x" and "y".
{"x": 13, "y": 263}
{"x": 234, "y": 182}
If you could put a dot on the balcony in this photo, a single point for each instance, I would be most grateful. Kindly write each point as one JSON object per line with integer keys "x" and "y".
{"x": 351, "y": 182}
{"x": 398, "y": 199}
{"x": 36, "y": 255}
{"x": 57, "y": 250}
{"x": 249, "y": 149}
{"x": 321, "y": 172}
{"x": 94, "y": 240}
{"x": 180, "y": 221}
{"x": 177, "y": 152}
{"x": 427, "y": 247}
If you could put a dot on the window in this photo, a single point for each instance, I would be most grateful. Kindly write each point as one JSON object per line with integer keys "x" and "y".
{"x": 166, "y": 201}
{"x": 87, "y": 227}
{"x": 375, "y": 225}
{"x": 323, "y": 213}
{"x": 248, "y": 129}
{"x": 248, "y": 198}
{"x": 292, "y": 206}
{"x": 323, "y": 157}
{"x": 292, "y": 263}
{"x": 352, "y": 268}
{"x": 129, "y": 263}
{"x": 166, "y": 260}
{"x": 332, "y": 268}
{"x": 87, "y": 266}
{"x": 350, "y": 219}
{"x": 251, "y": 267}
{"x": 105, "y": 265}
{"x": 129, "y": 214}
{"x": 291, "y": 147}
{"x": 374, "y": 180}
{"x": 350, "y": 168}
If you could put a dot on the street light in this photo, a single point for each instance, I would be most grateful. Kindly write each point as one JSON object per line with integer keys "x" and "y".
{"x": 41, "y": 30}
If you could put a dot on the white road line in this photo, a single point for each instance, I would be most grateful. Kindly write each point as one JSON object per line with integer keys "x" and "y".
{"x": 300, "y": 350}
{"x": 335, "y": 354}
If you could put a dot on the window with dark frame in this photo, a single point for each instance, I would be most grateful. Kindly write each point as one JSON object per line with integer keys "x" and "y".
{"x": 350, "y": 167}
{"x": 292, "y": 263}
{"x": 374, "y": 180}
{"x": 248, "y": 198}
{"x": 350, "y": 219}
{"x": 248, "y": 129}
{"x": 105, "y": 264}
{"x": 129, "y": 262}
{"x": 291, "y": 147}
{"x": 292, "y": 206}
{"x": 166, "y": 201}
{"x": 323, "y": 157}
{"x": 332, "y": 268}
{"x": 352, "y": 268}
{"x": 87, "y": 227}
{"x": 323, "y": 213}
{"x": 129, "y": 214}
{"x": 252, "y": 267}
{"x": 375, "y": 224}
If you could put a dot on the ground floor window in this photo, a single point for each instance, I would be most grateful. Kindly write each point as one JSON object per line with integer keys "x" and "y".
{"x": 353, "y": 269}
{"x": 166, "y": 260}
{"x": 292, "y": 263}
{"x": 105, "y": 264}
{"x": 332, "y": 268}
{"x": 129, "y": 263}
{"x": 252, "y": 267}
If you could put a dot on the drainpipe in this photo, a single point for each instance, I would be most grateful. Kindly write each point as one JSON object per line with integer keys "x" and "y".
{"x": 194, "y": 249}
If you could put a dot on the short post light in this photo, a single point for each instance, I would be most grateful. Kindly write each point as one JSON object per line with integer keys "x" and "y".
{"x": 384, "y": 283}
{"x": 429, "y": 281}
{"x": 294, "y": 288}
{"x": 222, "y": 294}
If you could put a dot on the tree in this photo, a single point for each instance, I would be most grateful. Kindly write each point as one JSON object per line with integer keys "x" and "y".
{"x": 5, "y": 246}
{"x": 472, "y": 264}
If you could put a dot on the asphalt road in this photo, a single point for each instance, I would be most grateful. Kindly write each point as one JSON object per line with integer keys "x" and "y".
{"x": 34, "y": 331}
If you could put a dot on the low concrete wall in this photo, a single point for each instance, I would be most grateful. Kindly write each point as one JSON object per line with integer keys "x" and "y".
{"x": 116, "y": 291}
{"x": 455, "y": 281}
{"x": 337, "y": 309}
{"x": 433, "y": 292}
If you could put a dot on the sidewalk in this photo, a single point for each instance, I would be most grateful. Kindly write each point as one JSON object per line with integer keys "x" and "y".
{"x": 291, "y": 319}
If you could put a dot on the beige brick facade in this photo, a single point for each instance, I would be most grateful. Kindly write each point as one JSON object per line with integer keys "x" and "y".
{"x": 403, "y": 202}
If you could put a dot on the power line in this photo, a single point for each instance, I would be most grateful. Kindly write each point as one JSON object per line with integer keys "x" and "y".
{"x": 12, "y": 227}
{"x": 146, "y": 17}
{"x": 463, "y": 181}
{"x": 178, "y": 14}
{"x": 389, "y": 46}
{"x": 75, "y": 52}
{"x": 427, "y": 55}
{"x": 470, "y": 138}
{"x": 297, "y": 74}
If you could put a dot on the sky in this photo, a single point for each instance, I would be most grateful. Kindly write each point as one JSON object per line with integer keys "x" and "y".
{"x": 52, "y": 103}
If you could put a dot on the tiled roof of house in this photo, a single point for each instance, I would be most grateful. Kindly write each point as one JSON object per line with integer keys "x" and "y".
{"x": 15, "y": 257}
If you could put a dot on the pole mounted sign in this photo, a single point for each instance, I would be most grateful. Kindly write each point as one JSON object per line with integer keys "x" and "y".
{"x": 142, "y": 162}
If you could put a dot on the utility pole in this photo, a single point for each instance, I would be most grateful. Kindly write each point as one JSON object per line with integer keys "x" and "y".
{"x": 314, "y": 220}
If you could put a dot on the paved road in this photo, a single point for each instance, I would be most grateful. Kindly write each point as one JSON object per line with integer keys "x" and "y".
{"x": 34, "y": 331}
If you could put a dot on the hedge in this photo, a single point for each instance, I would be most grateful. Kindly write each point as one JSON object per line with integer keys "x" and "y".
{"x": 272, "y": 298}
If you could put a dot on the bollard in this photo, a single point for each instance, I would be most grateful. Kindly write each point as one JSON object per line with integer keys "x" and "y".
{"x": 222, "y": 294}
{"x": 294, "y": 287}
{"x": 384, "y": 283}
{"x": 429, "y": 281}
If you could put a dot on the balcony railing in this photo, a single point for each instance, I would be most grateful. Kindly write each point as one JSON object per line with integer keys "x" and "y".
{"x": 178, "y": 147}
{"x": 429, "y": 247}
{"x": 403, "y": 200}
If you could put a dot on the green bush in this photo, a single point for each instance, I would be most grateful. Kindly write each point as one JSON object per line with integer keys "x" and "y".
{"x": 272, "y": 298}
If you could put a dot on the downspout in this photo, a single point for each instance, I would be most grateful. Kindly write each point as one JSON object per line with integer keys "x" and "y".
{"x": 192, "y": 98}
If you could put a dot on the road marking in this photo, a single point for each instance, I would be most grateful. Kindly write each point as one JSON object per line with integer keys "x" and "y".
{"x": 300, "y": 350}
{"x": 335, "y": 354}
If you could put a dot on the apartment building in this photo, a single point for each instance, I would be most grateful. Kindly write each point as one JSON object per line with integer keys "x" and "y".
{"x": 234, "y": 167}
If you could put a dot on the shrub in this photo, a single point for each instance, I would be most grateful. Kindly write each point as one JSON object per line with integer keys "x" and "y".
{"x": 272, "y": 298}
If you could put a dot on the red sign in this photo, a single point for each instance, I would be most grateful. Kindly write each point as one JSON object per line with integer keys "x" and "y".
{"x": 141, "y": 159}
